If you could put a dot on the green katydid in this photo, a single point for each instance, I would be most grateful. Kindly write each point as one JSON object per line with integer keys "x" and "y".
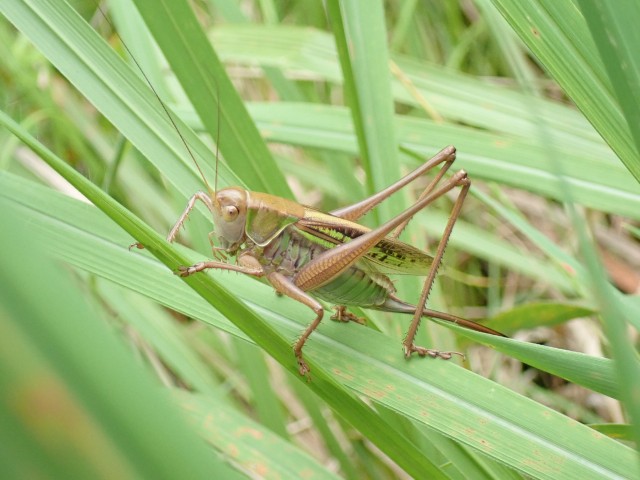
{"x": 307, "y": 255}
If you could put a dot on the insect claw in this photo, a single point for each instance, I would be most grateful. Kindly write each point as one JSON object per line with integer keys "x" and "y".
{"x": 304, "y": 369}
{"x": 186, "y": 271}
{"x": 423, "y": 352}
{"x": 342, "y": 315}
{"x": 137, "y": 245}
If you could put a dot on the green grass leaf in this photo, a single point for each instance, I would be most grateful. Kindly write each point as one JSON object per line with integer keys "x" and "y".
{"x": 558, "y": 36}
{"x": 208, "y": 87}
{"x": 435, "y": 394}
{"x": 428, "y": 418}
{"x": 65, "y": 377}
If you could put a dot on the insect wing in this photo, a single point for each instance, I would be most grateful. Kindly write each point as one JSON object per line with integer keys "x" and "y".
{"x": 388, "y": 256}
{"x": 394, "y": 257}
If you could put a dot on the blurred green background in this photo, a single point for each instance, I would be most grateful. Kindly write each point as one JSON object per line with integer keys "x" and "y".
{"x": 113, "y": 367}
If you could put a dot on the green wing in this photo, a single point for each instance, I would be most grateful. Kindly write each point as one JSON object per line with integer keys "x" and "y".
{"x": 389, "y": 256}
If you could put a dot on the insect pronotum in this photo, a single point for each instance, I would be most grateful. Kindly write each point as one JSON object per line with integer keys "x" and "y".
{"x": 307, "y": 255}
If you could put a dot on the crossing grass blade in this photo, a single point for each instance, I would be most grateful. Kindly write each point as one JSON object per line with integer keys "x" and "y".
{"x": 558, "y": 35}
{"x": 205, "y": 82}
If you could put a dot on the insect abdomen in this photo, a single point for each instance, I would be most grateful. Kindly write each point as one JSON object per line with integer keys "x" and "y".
{"x": 355, "y": 286}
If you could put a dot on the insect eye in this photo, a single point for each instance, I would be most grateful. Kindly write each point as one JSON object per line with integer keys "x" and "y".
{"x": 229, "y": 213}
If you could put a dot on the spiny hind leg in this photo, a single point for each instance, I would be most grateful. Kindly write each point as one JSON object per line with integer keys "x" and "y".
{"x": 342, "y": 315}
{"x": 332, "y": 262}
{"x": 411, "y": 348}
{"x": 353, "y": 212}
{"x": 461, "y": 180}
{"x": 448, "y": 161}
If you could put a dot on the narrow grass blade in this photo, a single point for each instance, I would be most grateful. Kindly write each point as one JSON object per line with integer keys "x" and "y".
{"x": 184, "y": 44}
{"x": 558, "y": 36}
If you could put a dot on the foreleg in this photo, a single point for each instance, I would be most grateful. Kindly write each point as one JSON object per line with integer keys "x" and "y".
{"x": 246, "y": 264}
{"x": 203, "y": 197}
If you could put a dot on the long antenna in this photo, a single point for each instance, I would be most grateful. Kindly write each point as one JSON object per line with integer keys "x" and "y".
{"x": 215, "y": 184}
{"x": 166, "y": 110}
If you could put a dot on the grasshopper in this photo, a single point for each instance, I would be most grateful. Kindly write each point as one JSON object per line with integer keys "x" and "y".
{"x": 307, "y": 255}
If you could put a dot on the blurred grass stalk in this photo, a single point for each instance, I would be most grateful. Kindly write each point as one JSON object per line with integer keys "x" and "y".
{"x": 74, "y": 401}
{"x": 609, "y": 97}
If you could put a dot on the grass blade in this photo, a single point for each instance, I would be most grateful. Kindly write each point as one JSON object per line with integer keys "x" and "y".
{"x": 558, "y": 36}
